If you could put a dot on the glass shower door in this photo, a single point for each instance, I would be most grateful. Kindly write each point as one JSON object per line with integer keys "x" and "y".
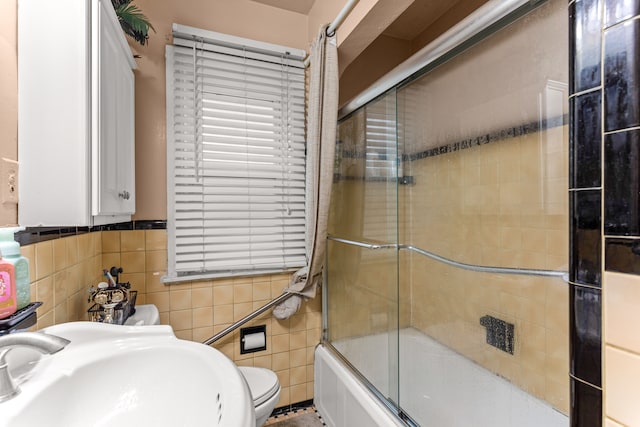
{"x": 449, "y": 234}
{"x": 362, "y": 264}
{"x": 485, "y": 144}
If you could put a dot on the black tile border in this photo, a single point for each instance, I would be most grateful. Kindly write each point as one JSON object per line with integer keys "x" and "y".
{"x": 586, "y": 400}
{"x": 628, "y": 11}
{"x": 585, "y": 334}
{"x": 621, "y": 106}
{"x": 622, "y": 255}
{"x": 585, "y": 140}
{"x": 585, "y": 238}
{"x": 586, "y": 404}
{"x": 32, "y": 235}
{"x": 621, "y": 199}
{"x": 586, "y": 78}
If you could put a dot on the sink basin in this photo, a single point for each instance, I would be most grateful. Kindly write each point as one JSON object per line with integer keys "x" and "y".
{"x": 111, "y": 375}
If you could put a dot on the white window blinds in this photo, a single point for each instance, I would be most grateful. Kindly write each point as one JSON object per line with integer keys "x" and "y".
{"x": 235, "y": 155}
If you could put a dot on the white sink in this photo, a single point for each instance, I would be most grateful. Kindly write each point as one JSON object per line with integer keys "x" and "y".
{"x": 112, "y": 375}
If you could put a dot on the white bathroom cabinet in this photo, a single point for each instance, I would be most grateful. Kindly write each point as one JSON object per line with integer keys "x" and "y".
{"x": 75, "y": 115}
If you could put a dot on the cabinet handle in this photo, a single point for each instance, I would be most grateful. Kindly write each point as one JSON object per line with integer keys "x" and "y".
{"x": 124, "y": 195}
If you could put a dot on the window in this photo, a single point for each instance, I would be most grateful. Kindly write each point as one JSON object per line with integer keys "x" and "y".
{"x": 235, "y": 156}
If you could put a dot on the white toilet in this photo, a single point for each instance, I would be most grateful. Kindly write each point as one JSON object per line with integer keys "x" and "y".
{"x": 265, "y": 390}
{"x": 263, "y": 383}
{"x": 146, "y": 314}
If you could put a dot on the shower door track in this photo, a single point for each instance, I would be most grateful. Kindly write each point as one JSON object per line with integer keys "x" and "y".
{"x": 472, "y": 29}
{"x": 457, "y": 264}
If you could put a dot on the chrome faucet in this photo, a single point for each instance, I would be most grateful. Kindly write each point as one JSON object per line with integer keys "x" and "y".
{"x": 46, "y": 344}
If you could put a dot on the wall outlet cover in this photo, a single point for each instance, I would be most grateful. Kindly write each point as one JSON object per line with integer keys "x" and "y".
{"x": 9, "y": 174}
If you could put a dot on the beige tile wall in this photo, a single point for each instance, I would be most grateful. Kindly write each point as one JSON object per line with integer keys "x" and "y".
{"x": 503, "y": 203}
{"x": 363, "y": 291}
{"x": 62, "y": 271}
{"x": 448, "y": 303}
{"x": 622, "y": 349}
{"x": 500, "y": 204}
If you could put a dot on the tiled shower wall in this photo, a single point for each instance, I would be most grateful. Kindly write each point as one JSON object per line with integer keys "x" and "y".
{"x": 62, "y": 270}
{"x": 503, "y": 205}
{"x": 605, "y": 210}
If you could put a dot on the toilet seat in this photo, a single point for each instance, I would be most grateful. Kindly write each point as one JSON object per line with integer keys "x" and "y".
{"x": 263, "y": 383}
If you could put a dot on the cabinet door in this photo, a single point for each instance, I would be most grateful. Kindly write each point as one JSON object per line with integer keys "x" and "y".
{"x": 114, "y": 174}
{"x": 125, "y": 156}
{"x": 53, "y": 106}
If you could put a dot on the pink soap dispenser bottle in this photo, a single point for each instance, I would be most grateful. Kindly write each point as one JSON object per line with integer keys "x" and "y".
{"x": 7, "y": 288}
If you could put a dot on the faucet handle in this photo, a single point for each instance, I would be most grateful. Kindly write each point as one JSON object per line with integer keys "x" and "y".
{"x": 8, "y": 389}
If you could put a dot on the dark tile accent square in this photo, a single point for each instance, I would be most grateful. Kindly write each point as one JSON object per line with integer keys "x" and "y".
{"x": 83, "y": 230}
{"x": 585, "y": 140}
{"x": 33, "y": 235}
{"x": 150, "y": 225}
{"x": 499, "y": 333}
{"x": 616, "y": 11}
{"x": 585, "y": 20}
{"x": 622, "y": 76}
{"x": 586, "y": 405}
{"x": 585, "y": 237}
{"x": 118, "y": 226}
{"x": 68, "y": 231}
{"x": 622, "y": 183}
{"x": 622, "y": 255}
{"x": 585, "y": 333}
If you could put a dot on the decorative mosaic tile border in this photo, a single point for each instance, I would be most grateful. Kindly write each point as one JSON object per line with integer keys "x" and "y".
{"x": 292, "y": 407}
{"x": 291, "y": 414}
{"x": 499, "y": 135}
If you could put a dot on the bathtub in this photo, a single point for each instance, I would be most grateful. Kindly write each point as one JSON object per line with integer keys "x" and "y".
{"x": 446, "y": 389}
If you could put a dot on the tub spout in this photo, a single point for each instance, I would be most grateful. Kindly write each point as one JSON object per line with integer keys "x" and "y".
{"x": 46, "y": 344}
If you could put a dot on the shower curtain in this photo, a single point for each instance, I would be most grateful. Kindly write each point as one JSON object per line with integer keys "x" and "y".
{"x": 321, "y": 139}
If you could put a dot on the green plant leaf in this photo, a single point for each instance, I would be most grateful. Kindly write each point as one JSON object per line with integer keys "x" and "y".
{"x": 133, "y": 22}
